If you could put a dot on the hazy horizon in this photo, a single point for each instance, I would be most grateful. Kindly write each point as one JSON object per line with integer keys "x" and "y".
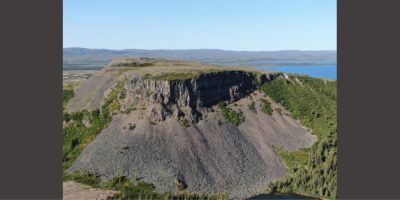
{"x": 260, "y": 25}
{"x": 77, "y": 47}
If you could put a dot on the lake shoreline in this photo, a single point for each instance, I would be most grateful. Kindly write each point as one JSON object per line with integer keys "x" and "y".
{"x": 328, "y": 72}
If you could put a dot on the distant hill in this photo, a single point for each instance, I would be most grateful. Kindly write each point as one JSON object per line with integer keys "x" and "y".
{"x": 82, "y": 58}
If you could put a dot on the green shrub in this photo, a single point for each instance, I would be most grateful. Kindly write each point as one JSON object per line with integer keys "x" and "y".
{"x": 230, "y": 115}
{"x": 122, "y": 95}
{"x": 132, "y": 126}
{"x": 67, "y": 95}
{"x": 252, "y": 106}
{"x": 84, "y": 178}
{"x": 184, "y": 123}
{"x": 266, "y": 107}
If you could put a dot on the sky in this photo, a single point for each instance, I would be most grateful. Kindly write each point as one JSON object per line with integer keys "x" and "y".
{"x": 242, "y": 25}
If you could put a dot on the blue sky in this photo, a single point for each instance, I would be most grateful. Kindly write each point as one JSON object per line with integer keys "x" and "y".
{"x": 251, "y": 25}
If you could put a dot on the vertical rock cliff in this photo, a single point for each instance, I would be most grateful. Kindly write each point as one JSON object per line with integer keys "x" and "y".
{"x": 192, "y": 97}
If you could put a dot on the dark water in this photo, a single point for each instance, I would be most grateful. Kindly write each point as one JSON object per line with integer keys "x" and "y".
{"x": 279, "y": 196}
{"x": 320, "y": 71}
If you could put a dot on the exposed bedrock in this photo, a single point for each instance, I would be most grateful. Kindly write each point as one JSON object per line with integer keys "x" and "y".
{"x": 191, "y": 98}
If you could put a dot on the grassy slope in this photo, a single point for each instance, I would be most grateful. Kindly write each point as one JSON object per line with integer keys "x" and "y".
{"x": 136, "y": 189}
{"x": 311, "y": 171}
{"x": 183, "y": 75}
{"x": 67, "y": 95}
{"x": 77, "y": 135}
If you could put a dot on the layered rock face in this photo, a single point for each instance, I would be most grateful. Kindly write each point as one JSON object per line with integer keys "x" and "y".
{"x": 191, "y": 98}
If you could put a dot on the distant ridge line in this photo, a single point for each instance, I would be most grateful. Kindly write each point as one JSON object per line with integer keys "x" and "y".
{"x": 78, "y": 57}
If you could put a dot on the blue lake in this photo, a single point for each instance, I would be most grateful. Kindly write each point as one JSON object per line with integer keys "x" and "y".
{"x": 320, "y": 71}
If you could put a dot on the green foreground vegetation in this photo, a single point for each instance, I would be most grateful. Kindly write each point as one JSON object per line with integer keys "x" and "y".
{"x": 137, "y": 189}
{"x": 230, "y": 115}
{"x": 252, "y": 106}
{"x": 81, "y": 128}
{"x": 266, "y": 107}
{"x": 184, "y": 123}
{"x": 313, "y": 101}
{"x": 67, "y": 95}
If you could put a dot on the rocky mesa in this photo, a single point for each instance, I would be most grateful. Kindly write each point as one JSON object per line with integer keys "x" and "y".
{"x": 186, "y": 126}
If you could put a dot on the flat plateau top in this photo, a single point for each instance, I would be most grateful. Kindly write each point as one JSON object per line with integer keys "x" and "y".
{"x": 160, "y": 69}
